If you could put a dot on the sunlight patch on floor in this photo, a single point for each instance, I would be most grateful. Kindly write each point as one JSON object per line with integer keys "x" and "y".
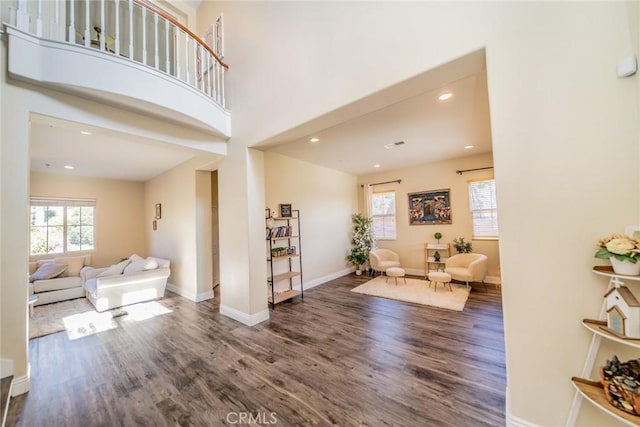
{"x": 91, "y": 322}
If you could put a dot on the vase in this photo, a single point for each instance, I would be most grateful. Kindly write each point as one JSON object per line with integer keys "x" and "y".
{"x": 625, "y": 267}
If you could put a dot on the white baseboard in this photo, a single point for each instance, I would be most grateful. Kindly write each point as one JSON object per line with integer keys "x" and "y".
{"x": 202, "y": 296}
{"x": 511, "y": 420}
{"x": 6, "y": 367}
{"x": 247, "y": 319}
{"x": 324, "y": 279}
{"x": 20, "y": 385}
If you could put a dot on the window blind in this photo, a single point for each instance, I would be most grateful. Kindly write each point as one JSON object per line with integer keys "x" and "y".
{"x": 484, "y": 209}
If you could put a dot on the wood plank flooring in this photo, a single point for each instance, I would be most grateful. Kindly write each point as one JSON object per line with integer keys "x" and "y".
{"x": 336, "y": 358}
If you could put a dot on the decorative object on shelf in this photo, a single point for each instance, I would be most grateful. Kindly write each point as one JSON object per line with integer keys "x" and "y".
{"x": 436, "y": 256}
{"x": 622, "y": 251}
{"x": 430, "y": 207}
{"x": 621, "y": 383}
{"x": 438, "y": 236}
{"x": 623, "y": 312}
{"x": 285, "y": 210}
{"x": 362, "y": 242}
{"x": 158, "y": 211}
{"x": 461, "y": 246}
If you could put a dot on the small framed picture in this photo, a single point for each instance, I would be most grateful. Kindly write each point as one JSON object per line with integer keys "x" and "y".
{"x": 158, "y": 211}
{"x": 285, "y": 210}
{"x": 155, "y": 225}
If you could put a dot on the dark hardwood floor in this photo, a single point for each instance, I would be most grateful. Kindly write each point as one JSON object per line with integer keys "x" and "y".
{"x": 336, "y": 358}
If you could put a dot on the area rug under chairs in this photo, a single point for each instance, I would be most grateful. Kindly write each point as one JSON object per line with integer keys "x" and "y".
{"x": 416, "y": 291}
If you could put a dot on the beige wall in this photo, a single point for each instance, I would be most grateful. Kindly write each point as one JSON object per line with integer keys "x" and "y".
{"x": 183, "y": 233}
{"x": 433, "y": 176}
{"x": 120, "y": 225}
{"x": 326, "y": 199}
{"x": 560, "y": 118}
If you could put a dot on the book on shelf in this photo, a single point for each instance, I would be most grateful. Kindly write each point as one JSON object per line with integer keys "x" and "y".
{"x": 284, "y": 231}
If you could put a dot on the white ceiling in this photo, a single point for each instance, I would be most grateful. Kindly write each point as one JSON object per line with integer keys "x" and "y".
{"x": 352, "y": 138}
{"x": 56, "y": 143}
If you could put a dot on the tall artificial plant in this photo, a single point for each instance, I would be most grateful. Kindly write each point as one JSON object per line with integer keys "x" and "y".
{"x": 461, "y": 246}
{"x": 363, "y": 240}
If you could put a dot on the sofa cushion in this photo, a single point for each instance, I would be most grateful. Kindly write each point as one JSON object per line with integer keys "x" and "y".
{"x": 115, "y": 269}
{"x": 33, "y": 266}
{"x": 48, "y": 270}
{"x": 141, "y": 265}
{"x": 56, "y": 284}
{"x": 75, "y": 265}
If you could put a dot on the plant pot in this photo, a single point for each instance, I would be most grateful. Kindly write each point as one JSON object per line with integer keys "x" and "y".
{"x": 358, "y": 272}
{"x": 625, "y": 267}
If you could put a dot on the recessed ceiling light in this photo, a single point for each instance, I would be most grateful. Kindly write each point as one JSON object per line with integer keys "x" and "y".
{"x": 69, "y": 167}
{"x": 84, "y": 132}
{"x": 376, "y": 166}
{"x": 314, "y": 140}
{"x": 468, "y": 147}
{"x": 445, "y": 96}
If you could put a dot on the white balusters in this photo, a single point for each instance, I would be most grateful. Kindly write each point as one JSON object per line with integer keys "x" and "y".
{"x": 166, "y": 50}
{"x": 72, "y": 20}
{"x": 155, "y": 33}
{"x": 39, "y": 20}
{"x": 87, "y": 22}
{"x": 103, "y": 29}
{"x": 117, "y": 35}
{"x": 144, "y": 36}
{"x": 72, "y": 25}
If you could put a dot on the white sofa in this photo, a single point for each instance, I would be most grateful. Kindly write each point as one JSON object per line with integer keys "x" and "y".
{"x": 68, "y": 285}
{"x": 115, "y": 290}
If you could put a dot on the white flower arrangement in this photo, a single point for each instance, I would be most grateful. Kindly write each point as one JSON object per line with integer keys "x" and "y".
{"x": 619, "y": 246}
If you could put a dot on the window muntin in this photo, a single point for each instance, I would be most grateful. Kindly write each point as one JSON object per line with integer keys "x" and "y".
{"x": 59, "y": 226}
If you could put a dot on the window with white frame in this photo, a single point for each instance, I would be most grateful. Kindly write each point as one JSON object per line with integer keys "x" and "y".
{"x": 383, "y": 214}
{"x": 62, "y": 225}
{"x": 484, "y": 210}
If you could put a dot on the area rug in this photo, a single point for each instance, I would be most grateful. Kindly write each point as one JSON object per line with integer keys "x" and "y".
{"x": 77, "y": 317}
{"x": 416, "y": 291}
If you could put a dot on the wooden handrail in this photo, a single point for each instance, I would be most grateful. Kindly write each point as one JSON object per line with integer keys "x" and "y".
{"x": 169, "y": 18}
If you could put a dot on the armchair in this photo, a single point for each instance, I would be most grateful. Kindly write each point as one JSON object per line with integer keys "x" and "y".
{"x": 381, "y": 259}
{"x": 467, "y": 268}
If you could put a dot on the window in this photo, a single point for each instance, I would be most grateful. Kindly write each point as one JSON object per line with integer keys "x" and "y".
{"x": 383, "y": 213}
{"x": 482, "y": 200}
{"x": 59, "y": 226}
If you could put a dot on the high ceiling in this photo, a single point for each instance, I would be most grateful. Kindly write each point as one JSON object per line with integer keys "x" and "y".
{"x": 353, "y": 139}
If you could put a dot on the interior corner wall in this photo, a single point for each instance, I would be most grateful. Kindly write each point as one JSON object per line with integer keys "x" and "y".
{"x": 434, "y": 176}
{"x": 326, "y": 199}
{"x": 120, "y": 225}
{"x": 175, "y": 236}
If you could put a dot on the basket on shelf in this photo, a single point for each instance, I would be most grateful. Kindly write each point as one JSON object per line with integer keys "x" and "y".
{"x": 621, "y": 383}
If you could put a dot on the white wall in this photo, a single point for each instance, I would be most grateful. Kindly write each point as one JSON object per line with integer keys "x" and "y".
{"x": 120, "y": 227}
{"x": 434, "y": 176}
{"x": 564, "y": 129}
{"x": 326, "y": 199}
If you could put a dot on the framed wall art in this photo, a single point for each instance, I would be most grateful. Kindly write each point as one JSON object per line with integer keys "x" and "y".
{"x": 158, "y": 211}
{"x": 285, "y": 210}
{"x": 430, "y": 207}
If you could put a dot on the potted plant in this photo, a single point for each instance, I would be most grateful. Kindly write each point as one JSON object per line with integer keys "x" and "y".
{"x": 362, "y": 242}
{"x": 461, "y": 246}
{"x": 438, "y": 236}
{"x": 622, "y": 251}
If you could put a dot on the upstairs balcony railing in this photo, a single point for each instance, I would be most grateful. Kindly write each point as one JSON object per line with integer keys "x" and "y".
{"x": 130, "y": 29}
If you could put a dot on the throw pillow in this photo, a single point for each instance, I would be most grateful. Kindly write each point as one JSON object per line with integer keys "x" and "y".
{"x": 48, "y": 270}
{"x": 114, "y": 269}
{"x": 141, "y": 265}
{"x": 135, "y": 257}
{"x": 75, "y": 264}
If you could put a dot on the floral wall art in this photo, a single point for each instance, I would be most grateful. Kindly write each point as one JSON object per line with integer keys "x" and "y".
{"x": 430, "y": 207}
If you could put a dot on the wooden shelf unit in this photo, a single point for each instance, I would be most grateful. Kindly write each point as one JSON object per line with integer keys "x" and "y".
{"x": 293, "y": 269}
{"x": 593, "y": 391}
{"x": 429, "y": 251}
